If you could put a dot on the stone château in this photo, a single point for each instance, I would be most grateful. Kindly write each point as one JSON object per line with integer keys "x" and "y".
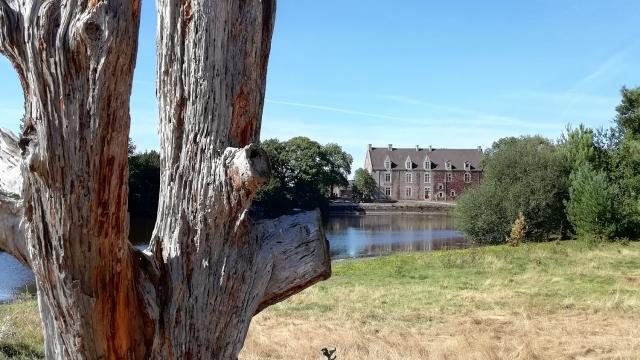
{"x": 423, "y": 173}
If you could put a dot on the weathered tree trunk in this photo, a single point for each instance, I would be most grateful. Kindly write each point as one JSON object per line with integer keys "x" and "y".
{"x": 209, "y": 267}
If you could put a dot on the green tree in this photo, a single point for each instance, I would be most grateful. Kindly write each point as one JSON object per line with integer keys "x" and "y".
{"x": 592, "y": 206}
{"x": 144, "y": 183}
{"x": 577, "y": 147}
{"x": 624, "y": 166}
{"x": 628, "y": 111}
{"x": 337, "y": 166}
{"x": 521, "y": 175}
{"x": 483, "y": 215}
{"x": 303, "y": 174}
{"x": 364, "y": 185}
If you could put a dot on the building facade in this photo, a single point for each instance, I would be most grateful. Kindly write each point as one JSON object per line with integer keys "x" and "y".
{"x": 425, "y": 174}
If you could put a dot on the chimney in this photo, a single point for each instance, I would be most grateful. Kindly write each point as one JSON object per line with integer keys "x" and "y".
{"x": 370, "y": 147}
{"x": 417, "y": 147}
{"x": 390, "y": 147}
{"x": 480, "y": 148}
{"x": 430, "y": 148}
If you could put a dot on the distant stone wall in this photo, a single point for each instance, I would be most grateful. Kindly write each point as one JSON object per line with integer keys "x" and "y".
{"x": 402, "y": 207}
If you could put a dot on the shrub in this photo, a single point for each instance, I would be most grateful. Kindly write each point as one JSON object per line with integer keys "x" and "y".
{"x": 521, "y": 175}
{"x": 480, "y": 213}
{"x": 592, "y": 203}
{"x": 518, "y": 231}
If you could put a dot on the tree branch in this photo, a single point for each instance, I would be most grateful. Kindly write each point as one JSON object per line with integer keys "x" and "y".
{"x": 12, "y": 231}
{"x": 10, "y": 30}
{"x": 299, "y": 253}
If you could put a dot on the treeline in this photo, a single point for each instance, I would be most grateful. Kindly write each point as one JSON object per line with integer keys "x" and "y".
{"x": 585, "y": 184}
{"x": 144, "y": 182}
{"x": 303, "y": 176}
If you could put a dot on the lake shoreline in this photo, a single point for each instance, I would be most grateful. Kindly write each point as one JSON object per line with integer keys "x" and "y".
{"x": 398, "y": 208}
{"x": 349, "y": 236}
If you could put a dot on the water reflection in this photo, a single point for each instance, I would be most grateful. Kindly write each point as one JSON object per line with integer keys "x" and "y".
{"x": 349, "y": 236}
{"x": 375, "y": 235}
{"x": 14, "y": 278}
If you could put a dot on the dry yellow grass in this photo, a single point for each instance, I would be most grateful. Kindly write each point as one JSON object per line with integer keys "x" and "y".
{"x": 542, "y": 301}
{"x": 476, "y": 335}
{"x": 565, "y": 300}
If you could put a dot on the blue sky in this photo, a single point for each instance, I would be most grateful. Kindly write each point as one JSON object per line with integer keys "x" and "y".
{"x": 450, "y": 74}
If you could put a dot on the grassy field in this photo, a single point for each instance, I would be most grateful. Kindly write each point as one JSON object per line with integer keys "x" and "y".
{"x": 561, "y": 300}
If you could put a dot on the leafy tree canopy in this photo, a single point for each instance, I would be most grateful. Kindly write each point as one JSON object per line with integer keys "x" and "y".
{"x": 524, "y": 176}
{"x": 628, "y": 112}
{"x": 144, "y": 183}
{"x": 364, "y": 185}
{"x": 303, "y": 174}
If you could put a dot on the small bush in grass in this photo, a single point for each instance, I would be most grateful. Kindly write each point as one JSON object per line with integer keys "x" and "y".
{"x": 518, "y": 231}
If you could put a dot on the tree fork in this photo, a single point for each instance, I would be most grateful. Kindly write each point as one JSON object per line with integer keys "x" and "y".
{"x": 209, "y": 267}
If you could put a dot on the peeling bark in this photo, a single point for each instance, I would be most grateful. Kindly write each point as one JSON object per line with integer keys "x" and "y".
{"x": 209, "y": 267}
{"x": 12, "y": 224}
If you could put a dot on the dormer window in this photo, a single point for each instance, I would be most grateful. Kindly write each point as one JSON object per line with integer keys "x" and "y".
{"x": 408, "y": 164}
{"x": 447, "y": 165}
{"x": 387, "y": 164}
{"x": 467, "y": 166}
{"x": 427, "y": 163}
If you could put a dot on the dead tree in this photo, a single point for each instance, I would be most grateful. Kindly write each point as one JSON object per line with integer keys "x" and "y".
{"x": 63, "y": 184}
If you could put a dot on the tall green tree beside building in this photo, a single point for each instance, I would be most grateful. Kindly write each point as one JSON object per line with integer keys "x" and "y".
{"x": 364, "y": 185}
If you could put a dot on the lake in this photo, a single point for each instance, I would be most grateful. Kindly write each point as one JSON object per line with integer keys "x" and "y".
{"x": 349, "y": 237}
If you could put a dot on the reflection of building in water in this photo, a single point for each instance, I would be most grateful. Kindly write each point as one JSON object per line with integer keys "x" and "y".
{"x": 372, "y": 235}
{"x": 423, "y": 174}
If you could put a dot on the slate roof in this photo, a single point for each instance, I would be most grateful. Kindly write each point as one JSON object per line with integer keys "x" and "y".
{"x": 438, "y": 158}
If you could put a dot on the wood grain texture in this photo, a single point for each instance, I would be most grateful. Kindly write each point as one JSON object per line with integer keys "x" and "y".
{"x": 209, "y": 267}
{"x": 12, "y": 224}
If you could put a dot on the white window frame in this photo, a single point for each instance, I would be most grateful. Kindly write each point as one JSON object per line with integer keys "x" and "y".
{"x": 387, "y": 191}
{"x": 440, "y": 187}
{"x": 427, "y": 178}
{"x": 408, "y": 178}
{"x": 427, "y": 163}
{"x": 387, "y": 163}
{"x": 467, "y": 178}
{"x": 427, "y": 193}
{"x": 447, "y": 165}
{"x": 467, "y": 166}
{"x": 408, "y": 192}
{"x": 449, "y": 177}
{"x": 388, "y": 175}
{"x": 408, "y": 164}
{"x": 452, "y": 193}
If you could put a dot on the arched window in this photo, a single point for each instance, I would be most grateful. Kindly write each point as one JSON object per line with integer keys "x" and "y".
{"x": 408, "y": 164}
